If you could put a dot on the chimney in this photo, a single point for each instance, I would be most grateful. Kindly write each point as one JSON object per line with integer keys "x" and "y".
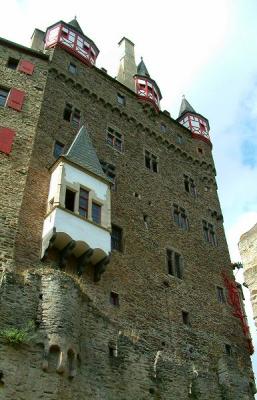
{"x": 127, "y": 68}
{"x": 37, "y": 40}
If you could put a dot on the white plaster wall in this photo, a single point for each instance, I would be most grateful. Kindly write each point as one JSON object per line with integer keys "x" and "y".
{"x": 77, "y": 229}
{"x": 74, "y": 175}
{"x": 55, "y": 183}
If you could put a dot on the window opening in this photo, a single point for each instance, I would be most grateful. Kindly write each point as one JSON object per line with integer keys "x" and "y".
{"x": 209, "y": 233}
{"x": 180, "y": 217}
{"x": 67, "y": 112}
{"x": 121, "y": 99}
{"x": 116, "y": 238}
{"x": 3, "y": 96}
{"x": 114, "y": 139}
{"x": 70, "y": 199}
{"x": 174, "y": 263}
{"x": 221, "y": 295}
{"x": 114, "y": 299}
{"x": 96, "y": 213}
{"x": 83, "y": 203}
{"x": 228, "y": 349}
{"x": 72, "y": 69}
{"x": 75, "y": 118}
{"x": 185, "y": 318}
{"x": 151, "y": 161}
{"x": 58, "y": 149}
{"x": 12, "y": 63}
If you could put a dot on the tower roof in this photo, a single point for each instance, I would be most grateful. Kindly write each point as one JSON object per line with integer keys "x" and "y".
{"x": 141, "y": 69}
{"x": 82, "y": 153}
{"x": 185, "y": 107}
{"x": 74, "y": 23}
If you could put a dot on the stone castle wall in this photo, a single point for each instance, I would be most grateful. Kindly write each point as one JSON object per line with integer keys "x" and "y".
{"x": 157, "y": 355}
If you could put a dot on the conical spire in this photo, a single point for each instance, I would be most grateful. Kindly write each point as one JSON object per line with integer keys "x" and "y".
{"x": 141, "y": 69}
{"x": 185, "y": 107}
{"x": 76, "y": 25}
{"x": 82, "y": 153}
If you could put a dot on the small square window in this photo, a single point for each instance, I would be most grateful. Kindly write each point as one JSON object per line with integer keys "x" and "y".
{"x": 58, "y": 149}
{"x": 3, "y": 96}
{"x": 179, "y": 139}
{"x": 96, "y": 213}
{"x": 121, "y": 99}
{"x": 185, "y": 318}
{"x": 12, "y": 63}
{"x": 200, "y": 150}
{"x": 114, "y": 299}
{"x": 72, "y": 69}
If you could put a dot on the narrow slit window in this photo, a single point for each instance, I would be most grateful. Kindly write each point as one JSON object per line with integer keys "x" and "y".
{"x": 185, "y": 318}
{"x": 114, "y": 299}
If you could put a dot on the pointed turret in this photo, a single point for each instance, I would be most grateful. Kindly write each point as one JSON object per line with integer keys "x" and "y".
{"x": 196, "y": 123}
{"x": 70, "y": 37}
{"x": 185, "y": 107}
{"x": 74, "y": 23}
{"x": 82, "y": 153}
{"x": 146, "y": 88}
{"x": 141, "y": 69}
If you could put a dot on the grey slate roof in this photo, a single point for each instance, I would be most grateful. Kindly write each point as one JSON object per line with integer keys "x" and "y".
{"x": 185, "y": 107}
{"x": 82, "y": 153}
{"x": 141, "y": 69}
{"x": 76, "y": 26}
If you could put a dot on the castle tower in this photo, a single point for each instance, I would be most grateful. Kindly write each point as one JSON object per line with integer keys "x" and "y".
{"x": 196, "y": 123}
{"x": 146, "y": 88}
{"x": 71, "y": 37}
{"x": 78, "y": 216}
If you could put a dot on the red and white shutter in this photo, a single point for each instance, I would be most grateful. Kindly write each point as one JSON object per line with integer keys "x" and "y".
{"x": 26, "y": 66}
{"x": 15, "y": 99}
{"x": 6, "y": 140}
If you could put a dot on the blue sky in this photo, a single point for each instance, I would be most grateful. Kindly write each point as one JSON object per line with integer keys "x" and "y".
{"x": 204, "y": 49}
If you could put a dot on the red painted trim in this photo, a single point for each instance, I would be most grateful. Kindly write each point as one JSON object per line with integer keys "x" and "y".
{"x": 147, "y": 100}
{"x": 26, "y": 66}
{"x": 6, "y": 140}
{"x": 15, "y": 99}
{"x": 74, "y": 53}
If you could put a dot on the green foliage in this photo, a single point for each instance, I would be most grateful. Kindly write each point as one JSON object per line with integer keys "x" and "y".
{"x": 16, "y": 336}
